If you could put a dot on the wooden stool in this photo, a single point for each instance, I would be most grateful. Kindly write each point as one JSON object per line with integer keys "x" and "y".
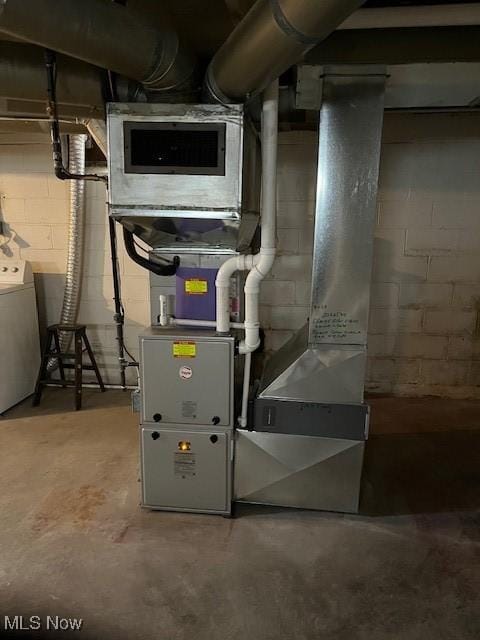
{"x": 53, "y": 340}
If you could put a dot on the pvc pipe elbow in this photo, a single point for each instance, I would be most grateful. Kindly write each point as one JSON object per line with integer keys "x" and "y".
{"x": 245, "y": 348}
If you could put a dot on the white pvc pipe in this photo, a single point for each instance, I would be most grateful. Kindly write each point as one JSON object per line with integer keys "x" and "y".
{"x": 202, "y": 323}
{"x": 266, "y": 256}
{"x": 222, "y": 284}
{"x": 163, "y": 316}
{"x": 242, "y": 421}
{"x": 420, "y": 16}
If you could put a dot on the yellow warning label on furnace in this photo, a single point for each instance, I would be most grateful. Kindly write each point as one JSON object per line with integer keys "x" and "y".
{"x": 184, "y": 349}
{"x": 196, "y": 286}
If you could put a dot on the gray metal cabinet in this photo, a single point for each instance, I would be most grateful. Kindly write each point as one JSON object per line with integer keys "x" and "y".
{"x": 186, "y": 470}
{"x": 186, "y": 390}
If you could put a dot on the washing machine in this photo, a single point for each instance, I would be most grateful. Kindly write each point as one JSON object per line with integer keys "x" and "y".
{"x": 19, "y": 334}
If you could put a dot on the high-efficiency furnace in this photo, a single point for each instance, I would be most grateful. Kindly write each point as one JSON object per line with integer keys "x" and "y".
{"x": 185, "y": 180}
{"x": 187, "y": 419}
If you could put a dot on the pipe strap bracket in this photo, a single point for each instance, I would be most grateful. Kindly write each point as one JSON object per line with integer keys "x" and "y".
{"x": 288, "y": 28}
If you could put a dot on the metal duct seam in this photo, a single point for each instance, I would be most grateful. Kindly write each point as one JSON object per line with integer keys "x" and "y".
{"x": 286, "y": 26}
{"x": 273, "y": 36}
{"x": 105, "y": 34}
{"x": 76, "y": 234}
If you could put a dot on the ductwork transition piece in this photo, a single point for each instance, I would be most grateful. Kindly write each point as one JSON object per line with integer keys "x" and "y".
{"x": 98, "y": 131}
{"x": 103, "y": 33}
{"x": 273, "y": 36}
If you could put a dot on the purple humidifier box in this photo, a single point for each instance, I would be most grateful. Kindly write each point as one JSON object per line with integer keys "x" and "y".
{"x": 195, "y": 293}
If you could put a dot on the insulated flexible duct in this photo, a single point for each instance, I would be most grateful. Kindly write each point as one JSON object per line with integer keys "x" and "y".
{"x": 273, "y": 36}
{"x": 103, "y": 33}
{"x": 76, "y": 234}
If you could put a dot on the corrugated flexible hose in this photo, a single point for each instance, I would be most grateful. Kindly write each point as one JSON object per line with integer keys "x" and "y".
{"x": 76, "y": 235}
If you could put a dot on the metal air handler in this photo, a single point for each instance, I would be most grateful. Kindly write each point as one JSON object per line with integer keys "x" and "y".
{"x": 187, "y": 419}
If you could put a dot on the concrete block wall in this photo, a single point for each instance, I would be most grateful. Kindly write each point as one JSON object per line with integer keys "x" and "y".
{"x": 34, "y": 209}
{"x": 424, "y": 330}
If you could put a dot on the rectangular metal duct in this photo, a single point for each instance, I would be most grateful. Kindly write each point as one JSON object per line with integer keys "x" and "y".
{"x": 184, "y": 178}
{"x": 325, "y": 362}
{"x": 309, "y": 420}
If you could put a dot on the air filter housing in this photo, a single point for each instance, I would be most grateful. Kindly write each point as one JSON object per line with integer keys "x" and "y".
{"x": 184, "y": 178}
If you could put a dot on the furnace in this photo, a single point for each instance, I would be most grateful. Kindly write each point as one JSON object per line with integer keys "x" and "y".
{"x": 187, "y": 419}
{"x": 185, "y": 179}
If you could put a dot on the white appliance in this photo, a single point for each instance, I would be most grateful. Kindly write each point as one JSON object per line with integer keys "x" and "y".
{"x": 19, "y": 335}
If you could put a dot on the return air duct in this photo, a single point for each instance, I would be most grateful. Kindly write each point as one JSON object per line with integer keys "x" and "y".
{"x": 273, "y": 36}
{"x": 103, "y": 33}
{"x": 309, "y": 422}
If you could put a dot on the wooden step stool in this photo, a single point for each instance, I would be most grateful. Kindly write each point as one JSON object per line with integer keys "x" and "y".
{"x": 52, "y": 351}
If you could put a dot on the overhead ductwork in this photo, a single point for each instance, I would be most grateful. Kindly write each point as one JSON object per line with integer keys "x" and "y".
{"x": 273, "y": 36}
{"x": 102, "y": 33}
{"x": 23, "y": 83}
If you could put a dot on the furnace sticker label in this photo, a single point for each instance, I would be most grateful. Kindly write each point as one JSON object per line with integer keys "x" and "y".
{"x": 189, "y": 409}
{"x": 184, "y": 465}
{"x": 196, "y": 287}
{"x": 185, "y": 373}
{"x": 184, "y": 349}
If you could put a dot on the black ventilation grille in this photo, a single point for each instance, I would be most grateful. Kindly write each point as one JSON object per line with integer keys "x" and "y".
{"x": 175, "y": 148}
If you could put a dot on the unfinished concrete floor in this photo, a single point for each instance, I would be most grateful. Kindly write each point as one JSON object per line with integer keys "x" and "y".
{"x": 75, "y": 543}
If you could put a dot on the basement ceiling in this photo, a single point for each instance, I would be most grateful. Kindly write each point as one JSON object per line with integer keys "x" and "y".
{"x": 204, "y": 25}
{"x": 414, "y": 3}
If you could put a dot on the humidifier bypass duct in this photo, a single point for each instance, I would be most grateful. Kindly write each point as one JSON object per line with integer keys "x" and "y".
{"x": 273, "y": 36}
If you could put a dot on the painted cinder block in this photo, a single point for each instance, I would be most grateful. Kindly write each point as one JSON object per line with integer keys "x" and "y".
{"x": 407, "y": 214}
{"x": 457, "y": 213}
{"x": 13, "y": 209}
{"x": 428, "y": 295}
{"x": 420, "y": 345}
{"x": 278, "y": 292}
{"x": 431, "y": 242}
{"x": 450, "y": 321}
{"x": 393, "y": 321}
{"x": 33, "y": 236}
{"x": 46, "y": 210}
{"x": 384, "y": 294}
{"x": 458, "y": 268}
{"x": 396, "y": 268}
{"x": 288, "y": 317}
{"x": 455, "y": 373}
{"x": 45, "y": 260}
